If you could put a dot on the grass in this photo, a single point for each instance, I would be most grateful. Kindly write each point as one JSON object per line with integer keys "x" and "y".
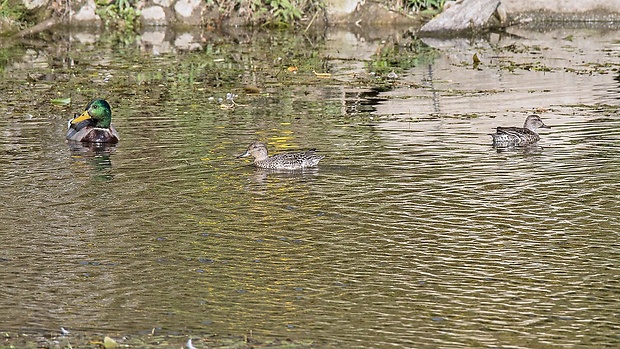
{"x": 11, "y": 11}
{"x": 124, "y": 15}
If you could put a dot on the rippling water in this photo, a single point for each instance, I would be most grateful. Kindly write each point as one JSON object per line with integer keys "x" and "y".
{"x": 413, "y": 232}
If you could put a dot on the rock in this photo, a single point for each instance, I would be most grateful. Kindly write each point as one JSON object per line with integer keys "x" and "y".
{"x": 361, "y": 12}
{"x": 189, "y": 11}
{"x": 32, "y": 4}
{"x": 37, "y": 10}
{"x": 163, "y": 3}
{"x": 519, "y": 11}
{"x": 86, "y": 13}
{"x": 463, "y": 16}
{"x": 153, "y": 15}
{"x": 468, "y": 15}
{"x": 339, "y": 10}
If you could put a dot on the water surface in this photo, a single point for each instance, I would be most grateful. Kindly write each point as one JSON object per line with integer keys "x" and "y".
{"x": 413, "y": 232}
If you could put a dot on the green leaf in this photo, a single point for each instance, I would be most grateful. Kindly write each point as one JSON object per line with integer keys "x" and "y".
{"x": 109, "y": 343}
{"x": 61, "y": 101}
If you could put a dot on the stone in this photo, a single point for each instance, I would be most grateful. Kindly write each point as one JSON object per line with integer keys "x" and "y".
{"x": 153, "y": 15}
{"x": 190, "y": 11}
{"x": 163, "y": 3}
{"x": 32, "y": 4}
{"x": 86, "y": 13}
{"x": 185, "y": 8}
{"x": 468, "y": 15}
{"x": 362, "y": 12}
{"x": 462, "y": 16}
{"x": 338, "y": 9}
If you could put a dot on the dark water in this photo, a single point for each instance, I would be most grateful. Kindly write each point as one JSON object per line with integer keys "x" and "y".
{"x": 413, "y": 232}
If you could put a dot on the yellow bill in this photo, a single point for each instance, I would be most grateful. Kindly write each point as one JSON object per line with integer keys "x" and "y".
{"x": 82, "y": 117}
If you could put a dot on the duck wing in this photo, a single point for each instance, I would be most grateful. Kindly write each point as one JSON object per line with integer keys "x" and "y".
{"x": 515, "y": 131}
{"x": 81, "y": 125}
{"x": 514, "y": 136}
{"x": 292, "y": 161}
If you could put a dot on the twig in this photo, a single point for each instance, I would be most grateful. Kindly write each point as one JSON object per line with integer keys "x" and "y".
{"x": 46, "y": 24}
{"x": 311, "y": 21}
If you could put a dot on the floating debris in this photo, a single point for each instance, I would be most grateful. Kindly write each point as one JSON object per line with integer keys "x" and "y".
{"x": 109, "y": 343}
{"x": 61, "y": 101}
{"x": 322, "y": 75}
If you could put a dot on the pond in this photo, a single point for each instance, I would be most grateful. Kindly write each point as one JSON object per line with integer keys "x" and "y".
{"x": 412, "y": 232}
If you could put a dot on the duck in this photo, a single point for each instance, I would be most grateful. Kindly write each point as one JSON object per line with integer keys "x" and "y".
{"x": 284, "y": 161}
{"x": 94, "y": 125}
{"x": 519, "y": 136}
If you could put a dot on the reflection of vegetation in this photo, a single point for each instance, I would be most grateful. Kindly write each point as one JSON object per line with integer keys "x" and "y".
{"x": 8, "y": 55}
{"x": 125, "y": 38}
{"x": 399, "y": 56}
{"x": 223, "y": 65}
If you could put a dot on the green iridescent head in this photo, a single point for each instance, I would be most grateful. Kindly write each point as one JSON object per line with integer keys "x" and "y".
{"x": 99, "y": 111}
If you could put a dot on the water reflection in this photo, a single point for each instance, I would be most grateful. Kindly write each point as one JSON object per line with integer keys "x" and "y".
{"x": 261, "y": 175}
{"x": 96, "y": 155}
{"x": 528, "y": 149}
{"x": 364, "y": 101}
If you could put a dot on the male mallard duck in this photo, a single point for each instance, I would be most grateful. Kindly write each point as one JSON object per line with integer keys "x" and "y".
{"x": 94, "y": 124}
{"x": 283, "y": 161}
{"x": 519, "y": 136}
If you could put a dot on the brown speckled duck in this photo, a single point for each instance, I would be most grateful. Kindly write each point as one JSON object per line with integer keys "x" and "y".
{"x": 283, "y": 161}
{"x": 519, "y": 136}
